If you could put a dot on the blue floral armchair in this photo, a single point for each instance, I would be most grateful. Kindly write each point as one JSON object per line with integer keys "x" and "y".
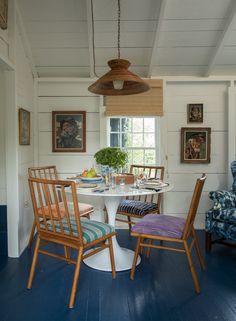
{"x": 221, "y": 218}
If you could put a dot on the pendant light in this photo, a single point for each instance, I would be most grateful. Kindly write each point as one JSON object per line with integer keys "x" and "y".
{"x": 119, "y": 80}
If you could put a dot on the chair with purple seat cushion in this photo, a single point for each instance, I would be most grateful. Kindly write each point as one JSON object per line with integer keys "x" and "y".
{"x": 171, "y": 229}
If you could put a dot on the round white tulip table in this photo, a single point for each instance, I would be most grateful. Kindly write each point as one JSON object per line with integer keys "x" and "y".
{"x": 112, "y": 198}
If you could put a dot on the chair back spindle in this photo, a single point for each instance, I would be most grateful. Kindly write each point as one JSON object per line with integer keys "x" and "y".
{"x": 151, "y": 172}
{"x": 194, "y": 206}
{"x": 54, "y": 212}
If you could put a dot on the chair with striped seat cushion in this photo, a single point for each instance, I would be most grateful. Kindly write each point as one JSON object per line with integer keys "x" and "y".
{"x": 50, "y": 172}
{"x": 59, "y": 221}
{"x": 139, "y": 206}
{"x": 91, "y": 230}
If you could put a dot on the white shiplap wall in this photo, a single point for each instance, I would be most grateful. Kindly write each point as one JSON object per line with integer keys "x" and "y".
{"x": 73, "y": 95}
{"x": 67, "y": 95}
{"x": 24, "y": 99}
{"x": 4, "y": 51}
{"x": 213, "y": 95}
{"x": 70, "y": 96}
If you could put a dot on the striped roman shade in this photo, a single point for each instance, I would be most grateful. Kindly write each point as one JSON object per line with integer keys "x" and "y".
{"x": 149, "y": 103}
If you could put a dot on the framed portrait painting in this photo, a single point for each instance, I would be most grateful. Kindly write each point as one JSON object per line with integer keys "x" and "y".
{"x": 24, "y": 127}
{"x": 195, "y": 113}
{"x": 69, "y": 131}
{"x": 3, "y": 13}
{"x": 195, "y": 145}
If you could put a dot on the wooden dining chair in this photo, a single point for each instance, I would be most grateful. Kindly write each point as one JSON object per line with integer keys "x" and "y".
{"x": 59, "y": 221}
{"x": 50, "y": 172}
{"x": 139, "y": 206}
{"x": 171, "y": 229}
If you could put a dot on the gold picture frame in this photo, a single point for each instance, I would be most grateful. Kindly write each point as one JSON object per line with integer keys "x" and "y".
{"x": 195, "y": 144}
{"x": 69, "y": 131}
{"x": 24, "y": 127}
{"x": 195, "y": 113}
{"x": 3, "y": 14}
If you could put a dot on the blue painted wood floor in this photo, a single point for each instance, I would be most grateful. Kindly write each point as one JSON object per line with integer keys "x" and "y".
{"x": 162, "y": 289}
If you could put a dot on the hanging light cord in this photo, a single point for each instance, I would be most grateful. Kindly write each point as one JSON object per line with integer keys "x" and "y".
{"x": 118, "y": 38}
{"x": 94, "y": 68}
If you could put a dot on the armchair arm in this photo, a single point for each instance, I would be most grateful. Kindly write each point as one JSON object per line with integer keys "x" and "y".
{"x": 223, "y": 199}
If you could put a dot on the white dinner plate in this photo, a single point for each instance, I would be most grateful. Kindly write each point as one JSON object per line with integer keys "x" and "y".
{"x": 98, "y": 178}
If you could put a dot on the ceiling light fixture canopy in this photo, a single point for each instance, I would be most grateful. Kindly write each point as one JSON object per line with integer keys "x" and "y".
{"x": 119, "y": 80}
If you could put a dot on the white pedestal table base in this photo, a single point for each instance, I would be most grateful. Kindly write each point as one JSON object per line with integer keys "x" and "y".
{"x": 123, "y": 257}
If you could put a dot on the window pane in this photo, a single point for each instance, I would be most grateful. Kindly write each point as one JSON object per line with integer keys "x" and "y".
{"x": 149, "y": 125}
{"x": 138, "y": 156}
{"x": 126, "y": 140}
{"x": 137, "y": 124}
{"x": 126, "y": 124}
{"x": 115, "y": 124}
{"x": 130, "y": 157}
{"x": 149, "y": 140}
{"x": 150, "y": 157}
{"x": 114, "y": 140}
{"x": 137, "y": 140}
{"x": 135, "y": 135}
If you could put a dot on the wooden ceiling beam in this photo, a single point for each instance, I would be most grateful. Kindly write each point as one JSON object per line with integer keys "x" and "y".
{"x": 157, "y": 36}
{"x": 222, "y": 38}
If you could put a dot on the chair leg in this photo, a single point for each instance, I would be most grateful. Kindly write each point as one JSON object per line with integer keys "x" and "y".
{"x": 67, "y": 254}
{"x": 76, "y": 277}
{"x": 149, "y": 248}
{"x": 32, "y": 234}
{"x": 34, "y": 262}
{"x": 135, "y": 258}
{"x": 197, "y": 248}
{"x": 113, "y": 269}
{"x": 208, "y": 241}
{"x": 192, "y": 269}
{"x": 129, "y": 223}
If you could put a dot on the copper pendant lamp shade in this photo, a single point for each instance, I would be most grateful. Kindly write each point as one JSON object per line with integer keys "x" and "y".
{"x": 119, "y": 80}
{"x": 119, "y": 76}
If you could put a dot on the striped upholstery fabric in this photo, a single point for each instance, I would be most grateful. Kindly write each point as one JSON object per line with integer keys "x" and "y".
{"x": 92, "y": 230}
{"x": 137, "y": 207}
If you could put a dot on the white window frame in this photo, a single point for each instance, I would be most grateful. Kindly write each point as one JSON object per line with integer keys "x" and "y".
{"x": 157, "y": 133}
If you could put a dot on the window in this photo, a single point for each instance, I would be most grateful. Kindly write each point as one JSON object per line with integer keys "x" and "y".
{"x": 137, "y": 135}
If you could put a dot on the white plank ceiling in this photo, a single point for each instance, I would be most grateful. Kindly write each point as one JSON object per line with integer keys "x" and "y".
{"x": 159, "y": 37}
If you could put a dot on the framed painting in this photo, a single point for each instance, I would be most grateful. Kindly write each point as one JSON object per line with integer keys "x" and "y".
{"x": 69, "y": 131}
{"x": 195, "y": 145}
{"x": 24, "y": 127}
{"x": 195, "y": 113}
{"x": 3, "y": 13}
